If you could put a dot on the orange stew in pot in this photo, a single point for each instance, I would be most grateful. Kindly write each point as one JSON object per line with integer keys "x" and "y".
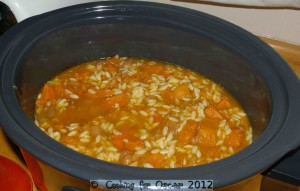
{"x": 142, "y": 113}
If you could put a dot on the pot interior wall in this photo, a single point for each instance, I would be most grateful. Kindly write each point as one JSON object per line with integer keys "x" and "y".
{"x": 66, "y": 47}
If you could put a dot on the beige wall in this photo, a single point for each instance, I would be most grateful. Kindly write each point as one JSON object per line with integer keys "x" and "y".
{"x": 279, "y": 24}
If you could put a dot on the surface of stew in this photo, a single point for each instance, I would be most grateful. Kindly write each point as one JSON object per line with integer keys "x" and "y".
{"x": 142, "y": 113}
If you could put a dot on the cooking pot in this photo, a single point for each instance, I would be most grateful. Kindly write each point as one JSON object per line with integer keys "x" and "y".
{"x": 37, "y": 48}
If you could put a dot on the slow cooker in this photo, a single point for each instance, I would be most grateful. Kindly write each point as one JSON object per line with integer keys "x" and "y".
{"x": 37, "y": 48}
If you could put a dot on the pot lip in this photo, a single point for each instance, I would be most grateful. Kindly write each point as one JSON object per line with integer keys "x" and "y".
{"x": 45, "y": 149}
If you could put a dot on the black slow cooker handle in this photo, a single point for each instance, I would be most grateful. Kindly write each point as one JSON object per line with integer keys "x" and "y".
{"x": 7, "y": 18}
{"x": 70, "y": 188}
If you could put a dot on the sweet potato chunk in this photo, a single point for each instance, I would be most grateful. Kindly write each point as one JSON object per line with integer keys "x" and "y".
{"x": 126, "y": 142}
{"x": 235, "y": 138}
{"x": 182, "y": 91}
{"x": 207, "y": 134}
{"x": 157, "y": 160}
{"x": 189, "y": 131}
{"x": 212, "y": 113}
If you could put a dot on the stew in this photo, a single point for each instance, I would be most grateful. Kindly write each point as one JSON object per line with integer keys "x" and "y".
{"x": 142, "y": 113}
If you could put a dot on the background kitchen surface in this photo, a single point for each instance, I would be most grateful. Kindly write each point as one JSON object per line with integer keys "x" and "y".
{"x": 277, "y": 23}
{"x": 280, "y": 23}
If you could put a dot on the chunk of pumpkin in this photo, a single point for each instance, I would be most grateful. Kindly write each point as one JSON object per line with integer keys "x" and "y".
{"x": 211, "y": 112}
{"x": 235, "y": 138}
{"x": 157, "y": 160}
{"x": 181, "y": 91}
{"x": 189, "y": 131}
{"x": 152, "y": 68}
{"x": 129, "y": 127}
{"x": 224, "y": 103}
{"x": 48, "y": 92}
{"x": 126, "y": 142}
{"x": 207, "y": 133}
